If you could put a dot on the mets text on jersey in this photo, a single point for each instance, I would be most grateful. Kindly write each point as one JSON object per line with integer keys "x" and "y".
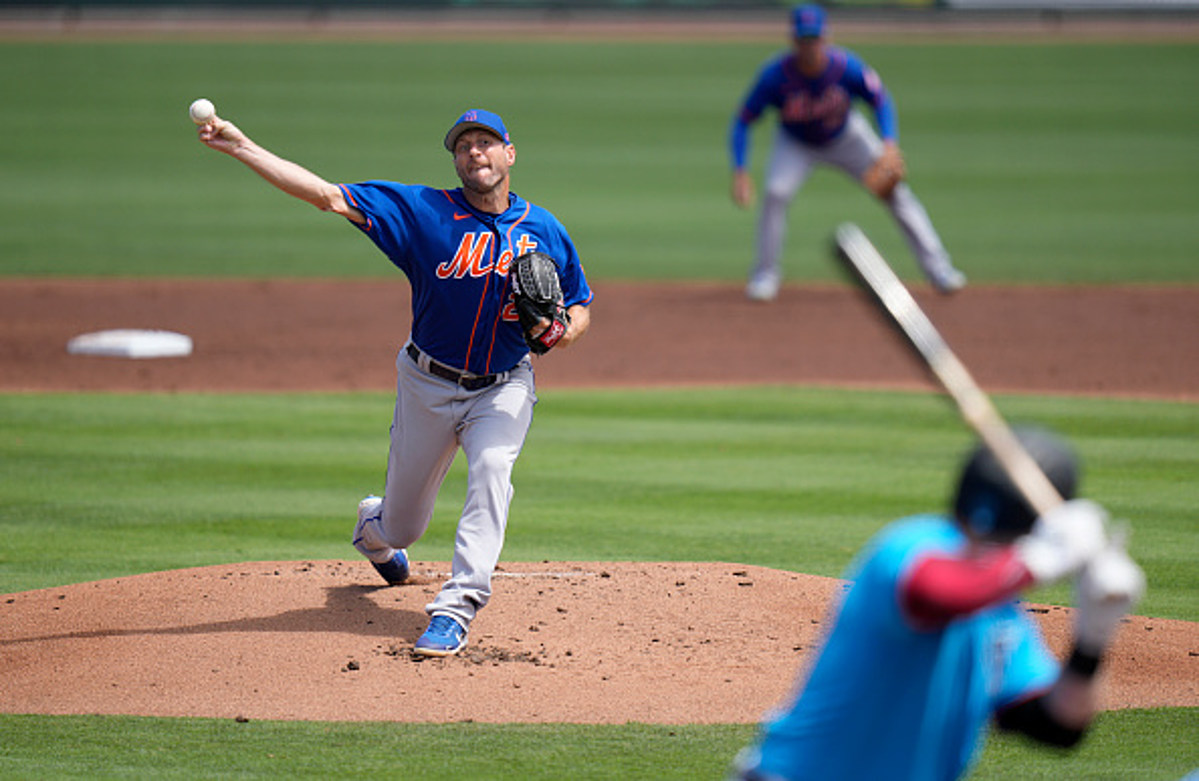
{"x": 470, "y": 260}
{"x": 829, "y": 107}
{"x": 471, "y": 257}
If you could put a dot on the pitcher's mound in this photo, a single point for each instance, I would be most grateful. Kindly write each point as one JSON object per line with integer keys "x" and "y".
{"x": 560, "y": 642}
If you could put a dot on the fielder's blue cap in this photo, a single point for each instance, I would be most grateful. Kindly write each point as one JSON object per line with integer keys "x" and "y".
{"x": 476, "y": 118}
{"x": 808, "y": 21}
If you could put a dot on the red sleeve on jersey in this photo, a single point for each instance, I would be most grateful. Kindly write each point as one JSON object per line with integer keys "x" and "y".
{"x": 940, "y": 587}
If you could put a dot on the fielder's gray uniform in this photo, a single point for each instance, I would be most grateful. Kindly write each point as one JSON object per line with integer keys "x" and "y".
{"x": 818, "y": 125}
{"x": 853, "y": 151}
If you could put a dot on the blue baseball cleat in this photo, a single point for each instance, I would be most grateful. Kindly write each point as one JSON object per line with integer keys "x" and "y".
{"x": 394, "y": 570}
{"x": 444, "y": 637}
{"x": 368, "y": 541}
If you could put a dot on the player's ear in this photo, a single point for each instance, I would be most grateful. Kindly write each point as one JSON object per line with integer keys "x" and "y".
{"x": 511, "y": 150}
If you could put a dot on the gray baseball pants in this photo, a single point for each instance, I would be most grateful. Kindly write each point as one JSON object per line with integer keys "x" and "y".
{"x": 854, "y": 151}
{"x": 433, "y": 418}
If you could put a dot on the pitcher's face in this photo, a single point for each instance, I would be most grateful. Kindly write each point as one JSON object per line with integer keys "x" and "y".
{"x": 482, "y": 160}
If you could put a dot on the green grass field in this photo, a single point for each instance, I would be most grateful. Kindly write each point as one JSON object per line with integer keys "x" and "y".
{"x": 1152, "y": 744}
{"x": 149, "y": 482}
{"x": 1040, "y": 163}
{"x": 163, "y": 481}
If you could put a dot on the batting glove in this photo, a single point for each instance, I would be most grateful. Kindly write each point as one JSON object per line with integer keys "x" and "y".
{"x": 1106, "y": 590}
{"x": 1063, "y": 540}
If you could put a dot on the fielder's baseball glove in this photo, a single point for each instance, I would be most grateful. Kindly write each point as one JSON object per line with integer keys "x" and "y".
{"x": 886, "y": 173}
{"x": 537, "y": 294}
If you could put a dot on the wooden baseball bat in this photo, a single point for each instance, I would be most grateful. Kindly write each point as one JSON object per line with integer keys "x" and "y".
{"x": 976, "y": 408}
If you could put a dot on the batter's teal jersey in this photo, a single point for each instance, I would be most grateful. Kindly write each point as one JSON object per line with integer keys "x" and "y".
{"x": 887, "y": 700}
{"x": 456, "y": 259}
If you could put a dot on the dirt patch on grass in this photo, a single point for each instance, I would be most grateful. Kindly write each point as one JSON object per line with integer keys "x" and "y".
{"x": 674, "y": 643}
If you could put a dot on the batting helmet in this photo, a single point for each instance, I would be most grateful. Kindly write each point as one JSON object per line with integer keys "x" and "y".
{"x": 991, "y": 506}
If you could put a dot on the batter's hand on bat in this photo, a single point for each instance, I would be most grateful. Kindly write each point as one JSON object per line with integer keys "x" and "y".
{"x": 1106, "y": 589}
{"x": 743, "y": 189}
{"x": 1063, "y": 540}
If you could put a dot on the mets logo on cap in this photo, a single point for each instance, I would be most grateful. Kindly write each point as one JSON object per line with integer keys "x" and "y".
{"x": 808, "y": 21}
{"x": 477, "y": 118}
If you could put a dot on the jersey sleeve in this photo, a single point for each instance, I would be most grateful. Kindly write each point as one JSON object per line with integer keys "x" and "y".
{"x": 388, "y": 208}
{"x": 575, "y": 289}
{"x": 864, "y": 83}
{"x": 762, "y": 94}
{"x": 1029, "y": 669}
{"x": 939, "y": 587}
{"x": 739, "y": 142}
{"x": 888, "y": 558}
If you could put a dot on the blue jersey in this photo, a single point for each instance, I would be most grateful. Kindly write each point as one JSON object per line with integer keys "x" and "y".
{"x": 887, "y": 700}
{"x": 813, "y": 110}
{"x": 456, "y": 259}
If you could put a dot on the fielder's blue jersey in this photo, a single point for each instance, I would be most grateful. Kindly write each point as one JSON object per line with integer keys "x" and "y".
{"x": 887, "y": 700}
{"x": 813, "y": 111}
{"x": 456, "y": 259}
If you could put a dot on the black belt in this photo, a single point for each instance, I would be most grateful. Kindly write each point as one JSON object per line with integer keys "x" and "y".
{"x": 470, "y": 382}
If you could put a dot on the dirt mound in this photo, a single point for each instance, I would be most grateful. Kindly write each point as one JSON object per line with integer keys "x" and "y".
{"x": 560, "y": 642}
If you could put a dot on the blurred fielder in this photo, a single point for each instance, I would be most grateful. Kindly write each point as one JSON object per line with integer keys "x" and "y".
{"x": 812, "y": 87}
{"x": 930, "y": 644}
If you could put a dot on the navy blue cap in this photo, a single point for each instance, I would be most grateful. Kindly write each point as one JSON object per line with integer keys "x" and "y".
{"x": 808, "y": 21}
{"x": 990, "y": 503}
{"x": 476, "y": 118}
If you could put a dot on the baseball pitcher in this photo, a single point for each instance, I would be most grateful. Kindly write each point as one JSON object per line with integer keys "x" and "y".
{"x": 493, "y": 277}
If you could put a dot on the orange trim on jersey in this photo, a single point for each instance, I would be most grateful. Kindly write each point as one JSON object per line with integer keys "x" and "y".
{"x": 499, "y": 315}
{"x": 482, "y": 298}
{"x": 470, "y": 344}
{"x": 370, "y": 224}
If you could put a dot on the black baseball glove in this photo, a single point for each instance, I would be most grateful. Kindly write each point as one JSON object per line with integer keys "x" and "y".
{"x": 537, "y": 294}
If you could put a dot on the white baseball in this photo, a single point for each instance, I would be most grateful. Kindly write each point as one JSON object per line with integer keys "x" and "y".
{"x": 201, "y": 110}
